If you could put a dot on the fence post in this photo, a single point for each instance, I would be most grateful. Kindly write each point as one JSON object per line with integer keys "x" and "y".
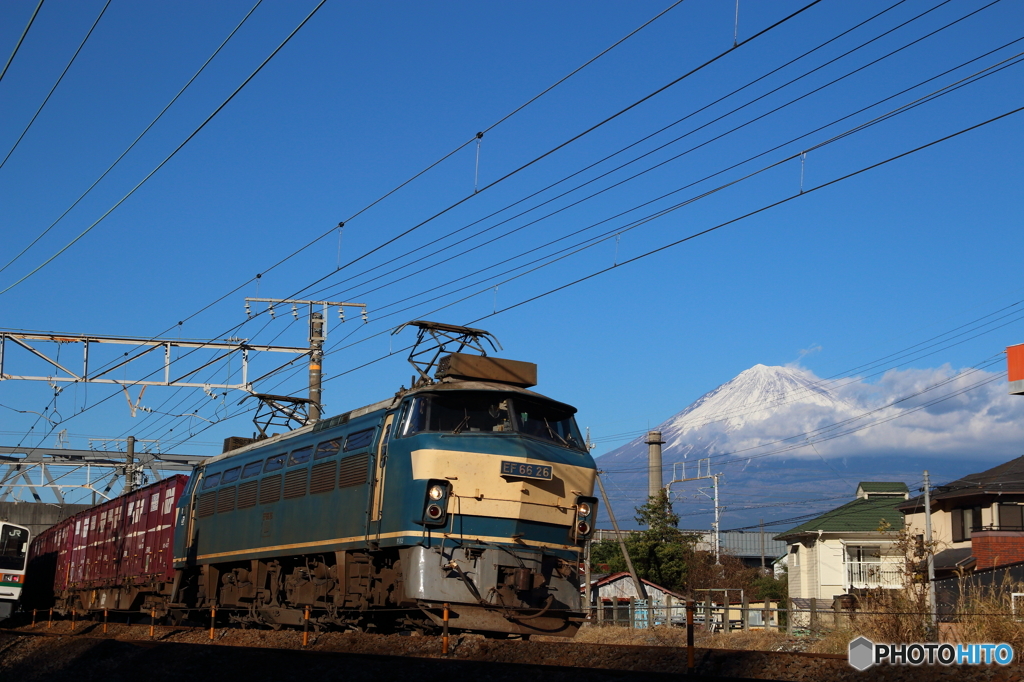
{"x": 745, "y": 613}
{"x": 766, "y": 615}
{"x": 600, "y": 610}
{"x": 836, "y": 612}
{"x": 790, "y": 615}
{"x": 632, "y": 612}
{"x": 689, "y": 635}
{"x": 444, "y": 632}
{"x": 814, "y": 615}
{"x": 707, "y": 614}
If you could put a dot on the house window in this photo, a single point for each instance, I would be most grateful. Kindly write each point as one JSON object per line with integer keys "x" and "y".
{"x": 964, "y": 522}
{"x": 1010, "y": 517}
{"x": 794, "y": 555}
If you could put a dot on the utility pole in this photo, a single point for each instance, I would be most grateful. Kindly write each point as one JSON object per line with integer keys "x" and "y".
{"x": 761, "y": 523}
{"x": 130, "y": 484}
{"x": 317, "y": 337}
{"x": 928, "y": 547}
{"x": 622, "y": 543}
{"x": 654, "y": 478}
{"x": 718, "y": 524}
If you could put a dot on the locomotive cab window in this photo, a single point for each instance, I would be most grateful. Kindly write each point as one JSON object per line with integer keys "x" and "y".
{"x": 300, "y": 456}
{"x": 231, "y": 475}
{"x": 548, "y": 421}
{"x": 478, "y": 411}
{"x": 274, "y": 463}
{"x": 212, "y": 481}
{"x": 13, "y": 544}
{"x": 252, "y": 469}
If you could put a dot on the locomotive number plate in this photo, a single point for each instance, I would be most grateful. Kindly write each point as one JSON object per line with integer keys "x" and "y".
{"x": 520, "y": 470}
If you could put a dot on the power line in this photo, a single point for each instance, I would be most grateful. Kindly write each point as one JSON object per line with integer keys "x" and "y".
{"x": 127, "y": 149}
{"x": 172, "y": 154}
{"x": 17, "y": 46}
{"x": 59, "y": 79}
{"x": 560, "y": 146}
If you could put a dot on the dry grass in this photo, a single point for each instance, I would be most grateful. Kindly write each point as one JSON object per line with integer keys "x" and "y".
{"x": 753, "y": 640}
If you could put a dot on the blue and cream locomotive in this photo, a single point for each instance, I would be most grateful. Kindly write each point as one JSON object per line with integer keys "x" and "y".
{"x": 466, "y": 489}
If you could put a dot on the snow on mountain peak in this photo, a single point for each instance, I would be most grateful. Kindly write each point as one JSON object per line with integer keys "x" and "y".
{"x": 752, "y": 396}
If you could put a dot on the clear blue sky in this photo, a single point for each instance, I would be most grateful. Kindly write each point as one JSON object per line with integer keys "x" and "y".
{"x": 367, "y": 95}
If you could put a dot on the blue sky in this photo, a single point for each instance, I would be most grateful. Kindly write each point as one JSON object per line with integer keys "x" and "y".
{"x": 366, "y": 96}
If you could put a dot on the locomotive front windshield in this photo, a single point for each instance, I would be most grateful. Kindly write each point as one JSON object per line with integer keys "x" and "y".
{"x": 484, "y": 411}
{"x": 13, "y": 545}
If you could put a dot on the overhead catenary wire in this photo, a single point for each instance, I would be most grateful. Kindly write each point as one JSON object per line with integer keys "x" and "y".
{"x": 59, "y": 79}
{"x": 171, "y": 155}
{"x": 558, "y": 147}
{"x": 128, "y": 148}
{"x": 492, "y": 126}
{"x": 671, "y": 159}
{"x": 17, "y": 46}
{"x": 718, "y": 226}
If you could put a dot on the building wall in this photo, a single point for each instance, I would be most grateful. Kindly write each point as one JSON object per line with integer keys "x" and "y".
{"x": 997, "y": 547}
{"x": 38, "y": 516}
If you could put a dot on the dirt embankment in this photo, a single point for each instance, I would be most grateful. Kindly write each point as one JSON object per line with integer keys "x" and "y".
{"x": 177, "y": 654}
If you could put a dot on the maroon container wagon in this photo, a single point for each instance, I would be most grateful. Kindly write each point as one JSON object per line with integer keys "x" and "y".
{"x": 116, "y": 555}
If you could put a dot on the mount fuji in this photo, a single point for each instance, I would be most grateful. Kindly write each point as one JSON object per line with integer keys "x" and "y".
{"x": 787, "y": 443}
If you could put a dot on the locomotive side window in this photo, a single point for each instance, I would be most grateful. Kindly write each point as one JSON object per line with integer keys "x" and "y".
{"x": 328, "y": 448}
{"x": 211, "y": 481}
{"x": 274, "y": 463}
{"x": 300, "y": 456}
{"x": 359, "y": 439}
{"x": 231, "y": 475}
{"x": 252, "y": 469}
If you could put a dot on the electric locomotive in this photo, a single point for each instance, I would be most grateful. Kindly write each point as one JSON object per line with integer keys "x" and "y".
{"x": 467, "y": 489}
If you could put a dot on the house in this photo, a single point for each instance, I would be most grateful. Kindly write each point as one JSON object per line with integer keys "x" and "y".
{"x": 844, "y": 550}
{"x": 616, "y": 591}
{"x": 977, "y": 520}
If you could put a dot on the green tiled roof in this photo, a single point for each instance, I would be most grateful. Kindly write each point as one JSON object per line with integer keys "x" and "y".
{"x": 859, "y": 516}
{"x": 883, "y": 487}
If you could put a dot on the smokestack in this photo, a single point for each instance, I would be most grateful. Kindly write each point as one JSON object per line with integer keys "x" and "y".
{"x": 654, "y": 480}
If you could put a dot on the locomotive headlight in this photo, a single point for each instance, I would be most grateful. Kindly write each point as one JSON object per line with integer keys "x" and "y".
{"x": 583, "y": 509}
{"x": 582, "y": 528}
{"x": 434, "y": 512}
{"x": 436, "y": 492}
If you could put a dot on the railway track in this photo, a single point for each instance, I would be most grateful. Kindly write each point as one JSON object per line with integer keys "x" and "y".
{"x": 128, "y": 653}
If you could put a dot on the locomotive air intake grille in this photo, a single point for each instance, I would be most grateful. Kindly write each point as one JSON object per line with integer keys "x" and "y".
{"x": 247, "y": 495}
{"x": 322, "y": 480}
{"x": 226, "y": 500}
{"x": 270, "y": 489}
{"x": 295, "y": 483}
{"x": 353, "y": 471}
{"x": 207, "y": 503}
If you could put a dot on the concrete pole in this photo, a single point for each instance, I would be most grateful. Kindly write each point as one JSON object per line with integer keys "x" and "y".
{"x": 316, "y": 357}
{"x": 587, "y": 596}
{"x": 130, "y": 481}
{"x": 622, "y": 543}
{"x": 928, "y": 548}
{"x": 654, "y": 477}
{"x": 717, "y": 520}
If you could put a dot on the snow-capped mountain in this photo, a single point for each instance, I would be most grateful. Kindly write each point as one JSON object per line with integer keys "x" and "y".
{"x": 788, "y": 443}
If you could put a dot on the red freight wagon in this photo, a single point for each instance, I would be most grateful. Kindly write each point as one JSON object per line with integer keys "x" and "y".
{"x": 110, "y": 555}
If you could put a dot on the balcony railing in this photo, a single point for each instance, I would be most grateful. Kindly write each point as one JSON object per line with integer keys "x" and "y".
{"x": 868, "y": 574}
